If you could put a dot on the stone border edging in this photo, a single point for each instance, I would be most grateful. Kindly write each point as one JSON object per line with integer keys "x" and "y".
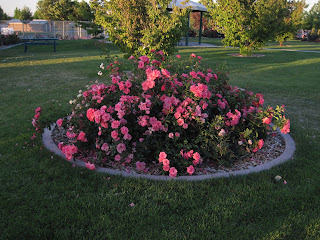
{"x": 285, "y": 156}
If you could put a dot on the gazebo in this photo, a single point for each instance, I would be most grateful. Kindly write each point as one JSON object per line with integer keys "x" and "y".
{"x": 196, "y": 7}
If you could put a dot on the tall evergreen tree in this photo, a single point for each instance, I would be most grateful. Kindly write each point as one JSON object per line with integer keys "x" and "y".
{"x": 16, "y": 14}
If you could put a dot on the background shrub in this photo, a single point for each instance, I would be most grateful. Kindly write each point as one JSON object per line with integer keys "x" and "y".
{"x": 10, "y": 39}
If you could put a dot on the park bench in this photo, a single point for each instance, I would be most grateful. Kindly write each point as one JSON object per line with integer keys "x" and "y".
{"x": 39, "y": 41}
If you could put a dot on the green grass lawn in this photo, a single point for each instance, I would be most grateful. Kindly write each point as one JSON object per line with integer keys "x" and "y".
{"x": 44, "y": 197}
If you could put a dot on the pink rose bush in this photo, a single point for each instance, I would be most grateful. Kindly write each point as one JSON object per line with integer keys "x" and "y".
{"x": 166, "y": 115}
{"x": 35, "y": 120}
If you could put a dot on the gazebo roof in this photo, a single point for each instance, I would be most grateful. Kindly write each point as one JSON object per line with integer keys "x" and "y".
{"x": 196, "y": 7}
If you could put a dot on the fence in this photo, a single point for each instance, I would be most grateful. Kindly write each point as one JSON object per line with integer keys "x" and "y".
{"x": 43, "y": 28}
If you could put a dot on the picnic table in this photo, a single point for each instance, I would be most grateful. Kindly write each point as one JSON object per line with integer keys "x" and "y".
{"x": 39, "y": 41}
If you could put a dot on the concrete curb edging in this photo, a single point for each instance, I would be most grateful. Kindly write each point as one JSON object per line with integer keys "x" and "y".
{"x": 285, "y": 156}
{"x": 4, "y": 47}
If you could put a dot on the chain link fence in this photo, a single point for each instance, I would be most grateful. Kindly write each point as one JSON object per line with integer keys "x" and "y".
{"x": 44, "y": 29}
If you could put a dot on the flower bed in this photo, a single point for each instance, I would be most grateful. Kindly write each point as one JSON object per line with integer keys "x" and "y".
{"x": 166, "y": 116}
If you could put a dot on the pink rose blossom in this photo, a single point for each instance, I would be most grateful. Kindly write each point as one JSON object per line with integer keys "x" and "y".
{"x": 233, "y": 117}
{"x": 190, "y": 169}
{"x": 162, "y": 156}
{"x": 260, "y": 145}
{"x": 153, "y": 75}
{"x": 161, "y": 53}
{"x": 90, "y": 166}
{"x": 38, "y": 109}
{"x": 34, "y": 122}
{"x": 115, "y": 124}
{"x": 166, "y": 168}
{"x": 171, "y": 135}
{"x": 165, "y": 162}
{"x": 85, "y": 94}
{"x": 200, "y": 90}
{"x": 178, "y": 56}
{"x": 117, "y": 158}
{"x": 128, "y": 84}
{"x": 193, "y": 55}
{"x": 222, "y": 133}
{"x": 59, "y": 122}
{"x": 60, "y": 145}
{"x": 90, "y": 114}
{"x": 71, "y": 134}
{"x": 266, "y": 120}
{"x": 121, "y": 147}
{"x": 69, "y": 150}
{"x": 286, "y": 127}
{"x": 82, "y": 137}
{"x": 127, "y": 137}
{"x": 141, "y": 64}
{"x": 177, "y": 115}
{"x": 115, "y": 135}
{"x": 180, "y": 122}
{"x": 36, "y": 116}
{"x": 165, "y": 72}
{"x": 148, "y": 84}
{"x": 105, "y": 147}
{"x": 221, "y": 104}
{"x": 173, "y": 172}
{"x": 215, "y": 77}
{"x": 145, "y": 59}
{"x": 140, "y": 166}
{"x": 197, "y": 158}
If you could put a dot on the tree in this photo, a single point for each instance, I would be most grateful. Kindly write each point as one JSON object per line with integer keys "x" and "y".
{"x": 247, "y": 24}
{"x": 44, "y": 9}
{"x": 291, "y": 22}
{"x": 17, "y": 13}
{"x": 83, "y": 12}
{"x": 56, "y": 9}
{"x": 64, "y": 10}
{"x": 3, "y": 15}
{"x": 36, "y": 15}
{"x": 312, "y": 18}
{"x": 84, "y": 17}
{"x": 138, "y": 26}
{"x": 25, "y": 14}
